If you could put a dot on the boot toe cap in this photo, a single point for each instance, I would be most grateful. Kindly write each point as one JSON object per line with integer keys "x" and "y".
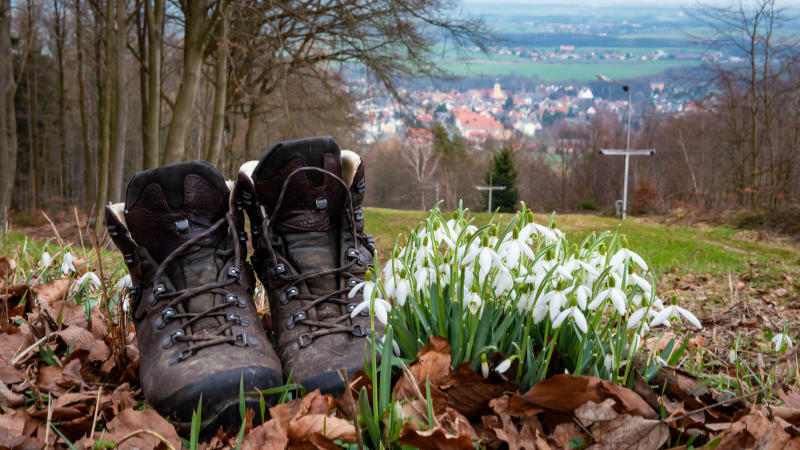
{"x": 220, "y": 394}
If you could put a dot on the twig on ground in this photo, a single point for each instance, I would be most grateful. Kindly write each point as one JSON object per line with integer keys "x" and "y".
{"x": 49, "y": 419}
{"x": 21, "y": 355}
{"x": 96, "y": 409}
{"x": 705, "y": 408}
{"x": 80, "y": 232}
{"x": 55, "y": 230}
{"x": 151, "y": 433}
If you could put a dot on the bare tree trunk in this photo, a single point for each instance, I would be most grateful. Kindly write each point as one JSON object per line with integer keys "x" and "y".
{"x": 118, "y": 120}
{"x": 154, "y": 16}
{"x": 87, "y": 155}
{"x": 220, "y": 89}
{"x": 8, "y": 120}
{"x": 64, "y": 184}
{"x": 197, "y": 30}
{"x": 104, "y": 89}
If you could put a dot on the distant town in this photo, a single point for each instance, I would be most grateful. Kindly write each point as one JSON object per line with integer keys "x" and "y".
{"x": 494, "y": 113}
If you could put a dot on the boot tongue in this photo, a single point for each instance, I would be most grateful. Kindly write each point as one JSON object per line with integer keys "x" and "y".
{"x": 166, "y": 206}
{"x": 313, "y": 201}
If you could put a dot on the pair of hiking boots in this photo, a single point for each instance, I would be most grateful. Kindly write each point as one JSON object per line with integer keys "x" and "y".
{"x": 181, "y": 232}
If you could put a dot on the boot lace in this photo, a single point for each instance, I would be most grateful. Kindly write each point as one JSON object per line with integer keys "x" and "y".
{"x": 208, "y": 337}
{"x": 337, "y": 296}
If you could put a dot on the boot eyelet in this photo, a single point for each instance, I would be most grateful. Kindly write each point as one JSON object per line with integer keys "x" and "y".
{"x": 321, "y": 204}
{"x": 355, "y": 255}
{"x": 243, "y": 236}
{"x": 165, "y": 317}
{"x": 359, "y": 331}
{"x": 129, "y": 259}
{"x": 352, "y": 306}
{"x": 182, "y": 356}
{"x": 352, "y": 282}
{"x": 288, "y": 295}
{"x": 241, "y": 340}
{"x": 182, "y": 225}
{"x": 296, "y": 317}
{"x": 235, "y": 318}
{"x": 232, "y": 299}
{"x": 279, "y": 268}
{"x": 293, "y": 347}
{"x": 304, "y": 340}
{"x": 172, "y": 338}
{"x": 233, "y": 272}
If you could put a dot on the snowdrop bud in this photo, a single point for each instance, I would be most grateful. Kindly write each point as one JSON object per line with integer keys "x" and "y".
{"x": 624, "y": 242}
{"x": 732, "y": 356}
{"x": 124, "y": 282}
{"x": 91, "y": 278}
{"x": 66, "y": 264}
{"x": 45, "y": 261}
{"x": 608, "y": 362}
{"x": 503, "y": 366}
{"x": 484, "y": 367}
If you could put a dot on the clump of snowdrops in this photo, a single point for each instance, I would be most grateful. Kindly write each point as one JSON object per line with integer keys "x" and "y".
{"x": 522, "y": 290}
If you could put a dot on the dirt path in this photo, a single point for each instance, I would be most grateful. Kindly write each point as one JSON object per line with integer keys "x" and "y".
{"x": 730, "y": 248}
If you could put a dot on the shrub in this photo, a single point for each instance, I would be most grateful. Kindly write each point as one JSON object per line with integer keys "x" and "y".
{"x": 587, "y": 205}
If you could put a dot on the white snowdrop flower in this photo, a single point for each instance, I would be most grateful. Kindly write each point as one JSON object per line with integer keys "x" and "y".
{"x": 637, "y": 300}
{"x": 618, "y": 260}
{"x": 402, "y": 289}
{"x": 672, "y": 312}
{"x": 421, "y": 277}
{"x": 582, "y": 294}
{"x": 126, "y": 304}
{"x": 503, "y": 366}
{"x": 367, "y": 286}
{"x": 539, "y": 308}
{"x": 66, "y": 263}
{"x": 511, "y": 250}
{"x": 91, "y": 278}
{"x": 576, "y": 314}
{"x": 484, "y": 367}
{"x": 608, "y": 362}
{"x": 124, "y": 282}
{"x": 380, "y": 309}
{"x": 636, "y": 318}
{"x": 503, "y": 281}
{"x": 484, "y": 256}
{"x": 45, "y": 261}
{"x": 473, "y": 302}
{"x": 732, "y": 356}
{"x": 618, "y": 300}
{"x": 780, "y": 340}
{"x": 641, "y": 282}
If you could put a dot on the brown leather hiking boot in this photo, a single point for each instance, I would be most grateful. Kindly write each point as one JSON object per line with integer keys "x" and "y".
{"x": 304, "y": 201}
{"x": 192, "y": 296}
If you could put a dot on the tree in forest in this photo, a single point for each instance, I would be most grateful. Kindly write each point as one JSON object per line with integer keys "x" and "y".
{"x": 502, "y": 173}
{"x": 8, "y": 125}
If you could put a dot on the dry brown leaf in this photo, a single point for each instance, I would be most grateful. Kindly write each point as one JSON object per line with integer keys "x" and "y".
{"x": 268, "y": 436}
{"x": 565, "y": 432}
{"x": 470, "y": 393}
{"x": 130, "y": 420}
{"x": 591, "y": 412}
{"x": 7, "y": 267}
{"x": 756, "y": 431}
{"x": 791, "y": 398}
{"x": 52, "y": 291}
{"x": 630, "y": 432}
{"x": 12, "y": 429}
{"x": 96, "y": 349}
{"x": 435, "y": 438}
{"x": 303, "y": 428}
{"x": 8, "y": 398}
{"x": 564, "y": 393}
{"x": 433, "y": 363}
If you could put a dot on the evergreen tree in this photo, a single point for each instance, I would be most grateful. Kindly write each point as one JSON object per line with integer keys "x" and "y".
{"x": 502, "y": 173}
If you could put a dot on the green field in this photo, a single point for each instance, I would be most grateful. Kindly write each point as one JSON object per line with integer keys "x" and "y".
{"x": 554, "y": 71}
{"x": 706, "y": 249}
